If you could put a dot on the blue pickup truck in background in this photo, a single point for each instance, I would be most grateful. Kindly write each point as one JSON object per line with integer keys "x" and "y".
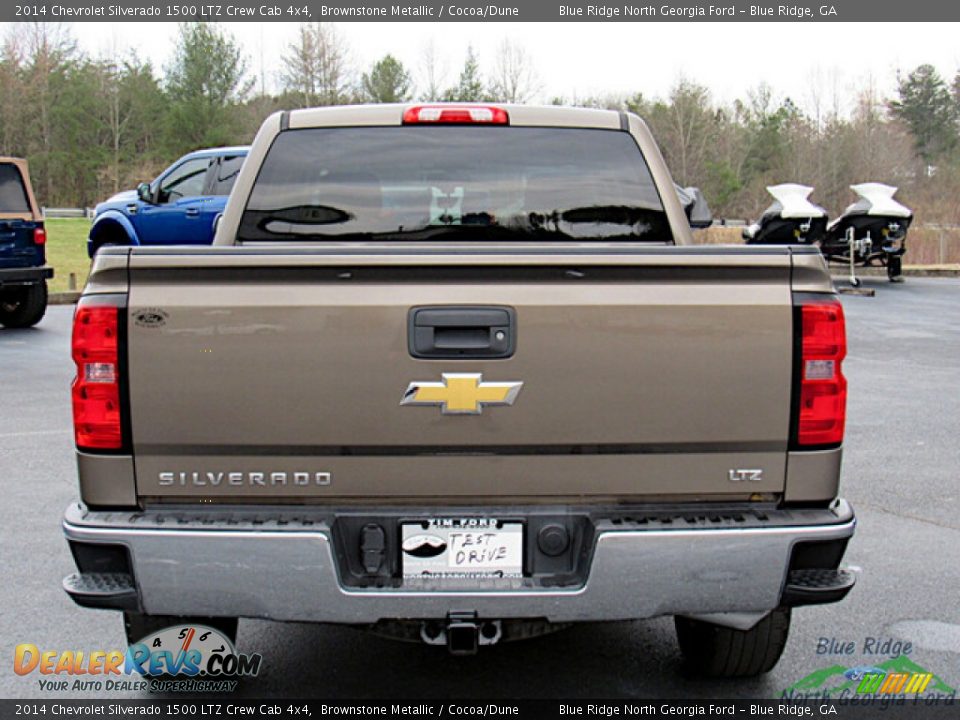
{"x": 23, "y": 241}
{"x": 180, "y": 207}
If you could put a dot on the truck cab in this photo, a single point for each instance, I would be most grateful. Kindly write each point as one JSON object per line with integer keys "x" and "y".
{"x": 179, "y": 207}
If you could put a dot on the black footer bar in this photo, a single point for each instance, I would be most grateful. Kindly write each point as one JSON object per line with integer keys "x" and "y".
{"x": 193, "y": 706}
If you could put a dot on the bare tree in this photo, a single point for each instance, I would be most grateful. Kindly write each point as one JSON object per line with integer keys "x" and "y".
{"x": 115, "y": 114}
{"x": 116, "y": 117}
{"x": 605, "y": 101}
{"x": 316, "y": 66}
{"x": 432, "y": 73}
{"x": 12, "y": 90}
{"x": 514, "y": 78}
{"x": 49, "y": 49}
{"x": 873, "y": 131}
{"x": 683, "y": 126}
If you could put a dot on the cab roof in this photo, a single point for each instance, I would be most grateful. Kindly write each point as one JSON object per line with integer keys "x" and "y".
{"x": 229, "y": 150}
{"x": 35, "y": 213}
{"x": 392, "y": 114}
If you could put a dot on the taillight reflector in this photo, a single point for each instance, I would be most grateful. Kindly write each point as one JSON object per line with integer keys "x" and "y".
{"x": 455, "y": 115}
{"x": 39, "y": 236}
{"x": 823, "y": 388}
{"x": 96, "y": 389}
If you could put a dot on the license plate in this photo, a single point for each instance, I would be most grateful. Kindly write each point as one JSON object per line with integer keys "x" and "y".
{"x": 467, "y": 547}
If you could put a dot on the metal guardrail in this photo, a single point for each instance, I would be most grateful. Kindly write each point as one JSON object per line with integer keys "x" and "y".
{"x": 67, "y": 212}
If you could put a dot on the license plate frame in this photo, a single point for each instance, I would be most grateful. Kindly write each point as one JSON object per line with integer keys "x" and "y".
{"x": 461, "y": 548}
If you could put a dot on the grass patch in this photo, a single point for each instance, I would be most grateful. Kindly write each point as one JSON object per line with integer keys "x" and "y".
{"x": 67, "y": 251}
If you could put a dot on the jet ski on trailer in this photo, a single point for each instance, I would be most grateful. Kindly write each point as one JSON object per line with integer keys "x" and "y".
{"x": 873, "y": 229}
{"x": 695, "y": 206}
{"x": 791, "y": 220}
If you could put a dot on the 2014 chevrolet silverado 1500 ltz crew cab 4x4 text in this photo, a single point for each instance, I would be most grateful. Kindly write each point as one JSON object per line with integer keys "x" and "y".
{"x": 456, "y": 374}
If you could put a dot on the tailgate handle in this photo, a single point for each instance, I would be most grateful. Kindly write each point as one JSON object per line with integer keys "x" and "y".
{"x": 462, "y": 332}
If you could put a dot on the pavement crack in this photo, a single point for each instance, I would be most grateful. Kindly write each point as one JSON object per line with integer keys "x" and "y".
{"x": 907, "y": 516}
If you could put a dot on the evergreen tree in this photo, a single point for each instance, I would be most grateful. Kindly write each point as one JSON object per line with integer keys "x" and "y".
{"x": 387, "y": 82}
{"x": 469, "y": 87}
{"x": 205, "y": 82}
{"x": 925, "y": 105}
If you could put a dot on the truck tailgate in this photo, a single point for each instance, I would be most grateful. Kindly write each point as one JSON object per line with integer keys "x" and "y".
{"x": 276, "y": 373}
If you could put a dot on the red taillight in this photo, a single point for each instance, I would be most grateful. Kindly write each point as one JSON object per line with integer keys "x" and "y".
{"x": 455, "y": 115}
{"x": 39, "y": 236}
{"x": 823, "y": 388}
{"x": 96, "y": 389}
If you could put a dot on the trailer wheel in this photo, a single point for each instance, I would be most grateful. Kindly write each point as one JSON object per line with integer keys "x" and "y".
{"x": 23, "y": 307}
{"x": 718, "y": 651}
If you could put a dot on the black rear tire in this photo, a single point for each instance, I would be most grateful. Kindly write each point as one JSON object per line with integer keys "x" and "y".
{"x": 137, "y": 625}
{"x": 717, "y": 651}
{"x": 23, "y": 307}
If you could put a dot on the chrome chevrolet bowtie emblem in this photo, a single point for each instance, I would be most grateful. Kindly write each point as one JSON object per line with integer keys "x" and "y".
{"x": 461, "y": 393}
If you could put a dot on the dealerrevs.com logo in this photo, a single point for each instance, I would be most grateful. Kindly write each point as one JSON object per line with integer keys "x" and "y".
{"x": 180, "y": 658}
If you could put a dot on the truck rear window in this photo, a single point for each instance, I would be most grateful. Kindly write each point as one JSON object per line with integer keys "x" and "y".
{"x": 454, "y": 183}
{"x": 13, "y": 196}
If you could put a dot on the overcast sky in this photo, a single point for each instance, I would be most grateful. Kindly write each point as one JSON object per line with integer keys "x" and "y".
{"x": 584, "y": 59}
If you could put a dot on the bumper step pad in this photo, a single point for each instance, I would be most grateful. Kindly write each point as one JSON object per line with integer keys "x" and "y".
{"x": 815, "y": 586}
{"x": 116, "y": 591}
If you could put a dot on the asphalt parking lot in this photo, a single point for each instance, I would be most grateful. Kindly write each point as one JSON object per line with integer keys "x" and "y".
{"x": 900, "y": 472}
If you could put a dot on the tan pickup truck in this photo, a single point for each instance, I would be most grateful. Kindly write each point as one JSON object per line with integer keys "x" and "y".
{"x": 457, "y": 374}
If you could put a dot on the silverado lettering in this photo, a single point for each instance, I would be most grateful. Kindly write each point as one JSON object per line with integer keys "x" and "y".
{"x": 243, "y": 478}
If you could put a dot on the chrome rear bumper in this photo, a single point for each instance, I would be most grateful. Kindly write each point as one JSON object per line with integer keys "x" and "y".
{"x": 287, "y": 571}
